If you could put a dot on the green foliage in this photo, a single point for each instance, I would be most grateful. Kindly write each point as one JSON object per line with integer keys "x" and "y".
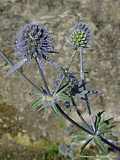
{"x": 102, "y": 148}
{"x": 37, "y": 103}
{"x": 101, "y": 127}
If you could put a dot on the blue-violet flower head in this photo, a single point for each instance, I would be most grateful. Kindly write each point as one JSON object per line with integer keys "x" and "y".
{"x": 33, "y": 40}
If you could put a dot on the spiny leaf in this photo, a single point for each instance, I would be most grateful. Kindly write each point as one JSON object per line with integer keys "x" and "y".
{"x": 55, "y": 109}
{"x": 105, "y": 127}
{"x": 101, "y": 145}
{"x": 98, "y": 119}
{"x": 64, "y": 97}
{"x": 37, "y": 103}
{"x": 80, "y": 136}
{"x": 85, "y": 144}
{"x": 63, "y": 88}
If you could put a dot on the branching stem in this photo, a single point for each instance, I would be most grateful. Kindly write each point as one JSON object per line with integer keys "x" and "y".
{"x": 110, "y": 143}
{"x": 79, "y": 113}
{"x": 3, "y": 56}
{"x": 42, "y": 75}
{"x": 72, "y": 121}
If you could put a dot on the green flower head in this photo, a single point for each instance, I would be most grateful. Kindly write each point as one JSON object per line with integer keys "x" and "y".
{"x": 80, "y": 36}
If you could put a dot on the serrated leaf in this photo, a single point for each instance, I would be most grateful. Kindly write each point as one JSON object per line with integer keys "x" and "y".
{"x": 85, "y": 144}
{"x": 98, "y": 119}
{"x": 106, "y": 125}
{"x": 64, "y": 97}
{"x": 37, "y": 103}
{"x": 103, "y": 148}
{"x": 54, "y": 108}
{"x": 63, "y": 88}
{"x": 80, "y": 136}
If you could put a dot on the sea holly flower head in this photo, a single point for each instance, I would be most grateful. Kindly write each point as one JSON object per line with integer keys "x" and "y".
{"x": 80, "y": 35}
{"x": 33, "y": 40}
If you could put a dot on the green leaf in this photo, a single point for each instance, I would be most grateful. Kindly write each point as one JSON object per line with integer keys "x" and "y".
{"x": 106, "y": 125}
{"x": 85, "y": 144}
{"x": 64, "y": 97}
{"x": 63, "y": 88}
{"x": 55, "y": 109}
{"x": 101, "y": 146}
{"x": 37, "y": 103}
{"x": 98, "y": 119}
{"x": 80, "y": 136}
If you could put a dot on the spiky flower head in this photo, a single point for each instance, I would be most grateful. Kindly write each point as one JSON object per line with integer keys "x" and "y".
{"x": 80, "y": 35}
{"x": 33, "y": 40}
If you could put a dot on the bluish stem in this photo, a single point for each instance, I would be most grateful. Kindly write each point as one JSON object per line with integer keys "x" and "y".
{"x": 82, "y": 76}
{"x": 109, "y": 143}
{"x": 3, "y": 56}
{"x": 81, "y": 64}
{"x": 79, "y": 113}
{"x": 68, "y": 67}
{"x": 42, "y": 76}
{"x": 71, "y": 120}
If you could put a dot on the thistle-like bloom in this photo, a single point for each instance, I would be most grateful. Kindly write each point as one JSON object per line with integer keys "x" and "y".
{"x": 80, "y": 35}
{"x": 33, "y": 40}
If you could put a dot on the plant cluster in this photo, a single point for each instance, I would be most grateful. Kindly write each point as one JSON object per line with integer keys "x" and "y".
{"x": 34, "y": 42}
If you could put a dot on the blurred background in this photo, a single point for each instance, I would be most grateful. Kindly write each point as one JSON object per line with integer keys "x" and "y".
{"x": 29, "y": 135}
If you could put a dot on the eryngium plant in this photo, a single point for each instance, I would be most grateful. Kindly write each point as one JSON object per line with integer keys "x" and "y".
{"x": 34, "y": 41}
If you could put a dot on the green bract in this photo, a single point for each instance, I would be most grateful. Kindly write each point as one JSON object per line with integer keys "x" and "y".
{"x": 79, "y": 39}
{"x": 80, "y": 35}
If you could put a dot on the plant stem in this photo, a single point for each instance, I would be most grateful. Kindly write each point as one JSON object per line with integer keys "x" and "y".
{"x": 42, "y": 75}
{"x": 85, "y": 144}
{"x": 71, "y": 120}
{"x": 109, "y": 143}
{"x": 88, "y": 106}
{"x": 82, "y": 76}
{"x": 86, "y": 98}
{"x": 68, "y": 67}
{"x": 79, "y": 113}
{"x": 3, "y": 56}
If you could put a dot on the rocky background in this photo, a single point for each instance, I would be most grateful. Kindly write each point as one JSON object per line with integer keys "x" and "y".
{"x": 29, "y": 135}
